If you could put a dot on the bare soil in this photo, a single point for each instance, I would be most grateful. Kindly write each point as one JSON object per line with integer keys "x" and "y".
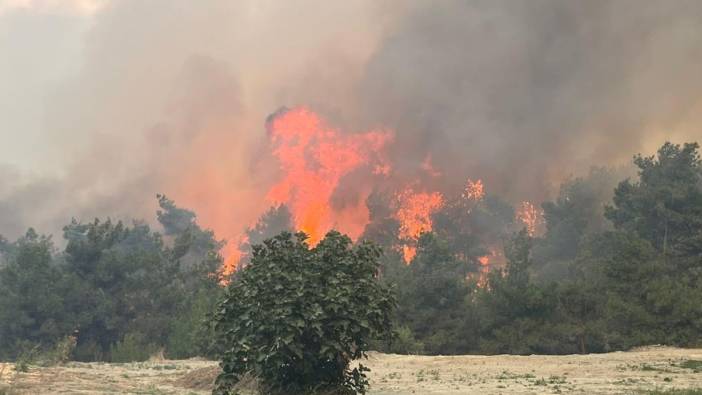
{"x": 614, "y": 373}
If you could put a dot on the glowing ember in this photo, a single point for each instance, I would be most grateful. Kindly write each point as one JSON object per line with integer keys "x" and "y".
{"x": 484, "y": 260}
{"x": 231, "y": 263}
{"x": 494, "y": 260}
{"x": 483, "y": 269}
{"x": 530, "y": 216}
{"x": 474, "y": 191}
{"x": 414, "y": 214}
{"x": 313, "y": 158}
{"x": 408, "y": 253}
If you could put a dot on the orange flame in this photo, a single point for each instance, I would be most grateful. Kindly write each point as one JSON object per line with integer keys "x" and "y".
{"x": 313, "y": 158}
{"x": 229, "y": 266}
{"x": 530, "y": 216}
{"x": 495, "y": 259}
{"x": 408, "y": 253}
{"x": 414, "y": 214}
{"x": 484, "y": 260}
{"x": 313, "y": 161}
{"x": 474, "y": 191}
{"x": 484, "y": 269}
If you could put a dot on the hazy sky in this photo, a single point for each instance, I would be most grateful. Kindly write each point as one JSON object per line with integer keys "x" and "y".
{"x": 40, "y": 44}
{"x": 105, "y": 103}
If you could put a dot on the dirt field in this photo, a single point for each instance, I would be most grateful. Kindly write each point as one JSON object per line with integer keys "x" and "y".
{"x": 614, "y": 373}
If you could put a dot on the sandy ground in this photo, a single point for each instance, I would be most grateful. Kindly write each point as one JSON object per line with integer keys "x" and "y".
{"x": 614, "y": 373}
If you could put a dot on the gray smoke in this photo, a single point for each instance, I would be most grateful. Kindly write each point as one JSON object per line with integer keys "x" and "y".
{"x": 170, "y": 96}
{"x": 524, "y": 93}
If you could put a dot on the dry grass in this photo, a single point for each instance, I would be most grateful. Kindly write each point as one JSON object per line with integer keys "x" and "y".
{"x": 653, "y": 370}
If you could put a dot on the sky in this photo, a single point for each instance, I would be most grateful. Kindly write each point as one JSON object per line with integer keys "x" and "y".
{"x": 106, "y": 103}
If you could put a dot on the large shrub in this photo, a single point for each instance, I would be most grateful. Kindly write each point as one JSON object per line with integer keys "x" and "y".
{"x": 296, "y": 317}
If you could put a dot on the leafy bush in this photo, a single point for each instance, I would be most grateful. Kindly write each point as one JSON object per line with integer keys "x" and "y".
{"x": 62, "y": 351}
{"x": 26, "y": 358}
{"x": 296, "y": 317}
{"x": 404, "y": 342}
{"x": 132, "y": 348}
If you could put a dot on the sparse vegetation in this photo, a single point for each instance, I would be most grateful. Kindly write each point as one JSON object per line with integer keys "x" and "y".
{"x": 671, "y": 392}
{"x": 692, "y": 364}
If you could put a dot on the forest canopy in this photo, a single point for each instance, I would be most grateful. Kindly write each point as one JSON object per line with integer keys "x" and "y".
{"x": 617, "y": 265}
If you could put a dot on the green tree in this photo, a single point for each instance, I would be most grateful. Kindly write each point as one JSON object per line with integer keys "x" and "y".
{"x": 273, "y": 222}
{"x": 197, "y": 252}
{"x": 31, "y": 306}
{"x": 131, "y": 284}
{"x": 517, "y": 316}
{"x": 623, "y": 268}
{"x": 665, "y": 205}
{"x": 123, "y": 282}
{"x": 574, "y": 214}
{"x": 295, "y": 317}
{"x": 432, "y": 294}
{"x": 663, "y": 210}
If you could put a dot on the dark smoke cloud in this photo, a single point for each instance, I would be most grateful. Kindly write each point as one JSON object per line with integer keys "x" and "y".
{"x": 166, "y": 94}
{"x": 523, "y": 93}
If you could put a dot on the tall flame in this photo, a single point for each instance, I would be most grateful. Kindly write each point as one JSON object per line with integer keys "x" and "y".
{"x": 324, "y": 177}
{"x": 414, "y": 213}
{"x": 313, "y": 158}
{"x": 530, "y": 216}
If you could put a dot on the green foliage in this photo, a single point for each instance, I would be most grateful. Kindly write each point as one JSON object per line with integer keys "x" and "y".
{"x": 688, "y": 391}
{"x": 193, "y": 334}
{"x": 62, "y": 351}
{"x": 515, "y": 312}
{"x": 576, "y": 213}
{"x": 432, "y": 295}
{"x": 587, "y": 285}
{"x": 26, "y": 357}
{"x": 273, "y": 222}
{"x": 31, "y": 304}
{"x": 295, "y": 317}
{"x": 693, "y": 364}
{"x": 110, "y": 281}
{"x": 663, "y": 207}
{"x": 134, "y": 347}
{"x": 404, "y": 342}
{"x": 616, "y": 268}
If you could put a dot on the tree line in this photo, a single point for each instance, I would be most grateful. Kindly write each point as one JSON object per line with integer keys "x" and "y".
{"x": 612, "y": 271}
{"x": 120, "y": 292}
{"x": 618, "y": 265}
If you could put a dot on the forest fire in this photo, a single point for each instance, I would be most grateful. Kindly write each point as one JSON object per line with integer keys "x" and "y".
{"x": 530, "y": 216}
{"x": 483, "y": 270}
{"x": 414, "y": 213}
{"x": 474, "y": 191}
{"x": 313, "y": 158}
{"x": 493, "y": 260}
{"x": 324, "y": 176}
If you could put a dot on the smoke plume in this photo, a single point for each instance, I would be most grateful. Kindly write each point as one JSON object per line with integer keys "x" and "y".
{"x": 171, "y": 96}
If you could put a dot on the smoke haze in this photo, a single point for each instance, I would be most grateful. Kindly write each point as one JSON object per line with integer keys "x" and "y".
{"x": 107, "y": 103}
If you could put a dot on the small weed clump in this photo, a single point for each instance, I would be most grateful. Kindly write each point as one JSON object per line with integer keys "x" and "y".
{"x": 689, "y": 391}
{"x": 692, "y": 364}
